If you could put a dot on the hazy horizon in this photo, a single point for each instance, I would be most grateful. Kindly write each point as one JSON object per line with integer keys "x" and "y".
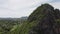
{"x": 20, "y": 8}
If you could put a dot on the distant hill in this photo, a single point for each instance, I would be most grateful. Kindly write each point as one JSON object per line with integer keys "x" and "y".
{"x": 22, "y": 18}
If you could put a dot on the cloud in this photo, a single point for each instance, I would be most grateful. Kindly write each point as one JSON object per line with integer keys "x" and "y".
{"x": 20, "y": 4}
{"x": 56, "y": 5}
{"x": 55, "y": 1}
{"x": 18, "y": 8}
{"x": 3, "y": 1}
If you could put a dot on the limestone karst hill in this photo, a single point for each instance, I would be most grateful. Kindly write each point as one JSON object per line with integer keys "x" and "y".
{"x": 47, "y": 19}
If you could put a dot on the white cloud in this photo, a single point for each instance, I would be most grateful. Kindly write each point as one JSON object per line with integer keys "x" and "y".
{"x": 18, "y": 8}
{"x": 56, "y": 5}
{"x": 20, "y": 4}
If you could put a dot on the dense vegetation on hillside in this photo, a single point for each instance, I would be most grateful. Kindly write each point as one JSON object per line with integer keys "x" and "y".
{"x": 47, "y": 19}
{"x": 7, "y": 24}
{"x": 44, "y": 20}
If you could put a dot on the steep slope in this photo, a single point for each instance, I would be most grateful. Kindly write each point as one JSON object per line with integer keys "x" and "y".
{"x": 47, "y": 18}
{"x": 40, "y": 11}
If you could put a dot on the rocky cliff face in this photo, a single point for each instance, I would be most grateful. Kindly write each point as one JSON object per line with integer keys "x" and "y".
{"x": 47, "y": 19}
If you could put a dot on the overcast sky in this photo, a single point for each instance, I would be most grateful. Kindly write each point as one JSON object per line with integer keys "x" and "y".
{"x": 19, "y": 8}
